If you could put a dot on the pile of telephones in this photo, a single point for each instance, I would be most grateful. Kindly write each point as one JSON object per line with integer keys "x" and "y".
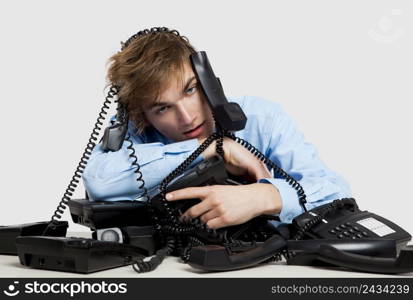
{"x": 122, "y": 234}
{"x": 127, "y": 232}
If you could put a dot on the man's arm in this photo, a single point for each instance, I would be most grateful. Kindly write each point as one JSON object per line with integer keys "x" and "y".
{"x": 226, "y": 205}
{"x": 274, "y": 133}
{"x": 111, "y": 176}
{"x": 300, "y": 159}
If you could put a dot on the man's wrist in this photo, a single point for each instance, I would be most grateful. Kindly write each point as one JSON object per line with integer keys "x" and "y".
{"x": 272, "y": 199}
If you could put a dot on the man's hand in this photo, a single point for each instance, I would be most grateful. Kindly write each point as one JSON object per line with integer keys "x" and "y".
{"x": 239, "y": 161}
{"x": 226, "y": 205}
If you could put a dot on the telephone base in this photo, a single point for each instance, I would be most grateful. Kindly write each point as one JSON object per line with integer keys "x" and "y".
{"x": 73, "y": 254}
{"x": 8, "y": 234}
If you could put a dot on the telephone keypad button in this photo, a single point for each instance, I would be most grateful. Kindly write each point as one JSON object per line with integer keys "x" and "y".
{"x": 343, "y": 226}
{"x": 351, "y": 231}
{"x": 359, "y": 235}
{"x": 340, "y": 236}
{"x": 332, "y": 231}
{"x": 346, "y": 233}
{"x": 365, "y": 233}
{"x": 356, "y": 228}
{"x": 348, "y": 224}
{"x": 337, "y": 228}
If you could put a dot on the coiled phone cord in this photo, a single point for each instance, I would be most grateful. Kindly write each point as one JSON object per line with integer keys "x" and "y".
{"x": 141, "y": 266}
{"x": 57, "y": 215}
{"x": 317, "y": 219}
{"x": 171, "y": 226}
{"x": 176, "y": 227}
{"x": 291, "y": 181}
{"x": 139, "y": 175}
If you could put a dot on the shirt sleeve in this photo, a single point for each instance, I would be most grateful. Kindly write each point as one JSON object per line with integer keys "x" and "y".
{"x": 110, "y": 176}
{"x": 289, "y": 150}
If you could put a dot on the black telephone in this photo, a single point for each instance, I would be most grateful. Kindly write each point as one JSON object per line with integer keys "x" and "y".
{"x": 334, "y": 234}
{"x": 340, "y": 234}
{"x": 343, "y": 220}
{"x": 327, "y": 234}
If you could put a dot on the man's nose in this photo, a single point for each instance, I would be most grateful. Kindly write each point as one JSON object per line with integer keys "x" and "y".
{"x": 184, "y": 115}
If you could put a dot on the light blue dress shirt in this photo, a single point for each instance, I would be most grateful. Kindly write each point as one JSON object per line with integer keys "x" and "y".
{"x": 110, "y": 176}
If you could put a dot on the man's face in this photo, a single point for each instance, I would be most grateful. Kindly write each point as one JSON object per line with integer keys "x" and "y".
{"x": 181, "y": 113}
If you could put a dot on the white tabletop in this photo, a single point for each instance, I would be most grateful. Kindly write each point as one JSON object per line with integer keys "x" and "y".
{"x": 173, "y": 267}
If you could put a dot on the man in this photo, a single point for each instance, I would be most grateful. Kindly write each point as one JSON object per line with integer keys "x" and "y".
{"x": 170, "y": 118}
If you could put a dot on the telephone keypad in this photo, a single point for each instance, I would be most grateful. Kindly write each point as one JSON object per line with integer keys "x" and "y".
{"x": 347, "y": 230}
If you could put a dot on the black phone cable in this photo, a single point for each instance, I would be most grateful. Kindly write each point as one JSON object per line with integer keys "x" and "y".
{"x": 317, "y": 219}
{"x": 142, "y": 266}
{"x": 138, "y": 172}
{"x": 302, "y": 198}
{"x": 171, "y": 226}
{"x": 57, "y": 215}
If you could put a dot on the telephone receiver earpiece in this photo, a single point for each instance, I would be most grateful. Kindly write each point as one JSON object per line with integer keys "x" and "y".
{"x": 114, "y": 134}
{"x": 403, "y": 263}
{"x": 228, "y": 115}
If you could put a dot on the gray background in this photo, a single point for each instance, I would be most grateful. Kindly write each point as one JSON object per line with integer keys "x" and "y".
{"x": 342, "y": 69}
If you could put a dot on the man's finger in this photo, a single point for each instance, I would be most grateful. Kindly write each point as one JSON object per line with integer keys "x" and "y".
{"x": 215, "y": 223}
{"x": 188, "y": 193}
{"x": 196, "y": 210}
{"x": 213, "y": 213}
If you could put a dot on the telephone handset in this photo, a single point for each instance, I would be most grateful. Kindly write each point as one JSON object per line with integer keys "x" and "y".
{"x": 114, "y": 135}
{"x": 331, "y": 234}
{"x": 228, "y": 248}
{"x": 228, "y": 115}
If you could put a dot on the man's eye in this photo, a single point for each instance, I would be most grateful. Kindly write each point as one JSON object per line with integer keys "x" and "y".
{"x": 190, "y": 90}
{"x": 162, "y": 110}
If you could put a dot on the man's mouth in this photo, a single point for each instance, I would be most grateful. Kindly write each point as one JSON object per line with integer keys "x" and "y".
{"x": 195, "y": 131}
{"x": 189, "y": 131}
